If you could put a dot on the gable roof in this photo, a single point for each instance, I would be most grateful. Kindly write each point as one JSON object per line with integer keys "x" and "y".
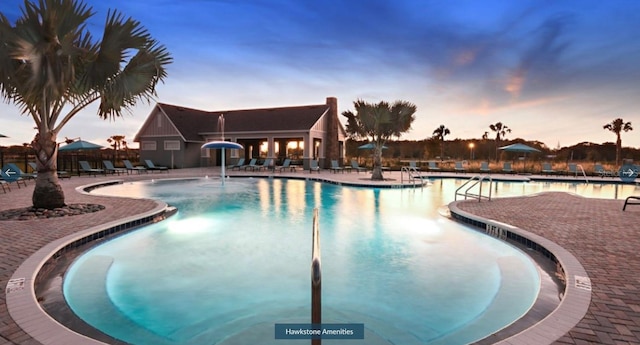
{"x": 192, "y": 123}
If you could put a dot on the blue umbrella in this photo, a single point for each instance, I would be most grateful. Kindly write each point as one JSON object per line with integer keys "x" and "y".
{"x": 370, "y": 146}
{"x": 222, "y": 145}
{"x": 518, "y": 147}
{"x": 80, "y": 145}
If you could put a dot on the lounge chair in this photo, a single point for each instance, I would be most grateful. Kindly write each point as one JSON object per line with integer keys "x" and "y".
{"x": 547, "y": 169}
{"x": 19, "y": 173}
{"x": 413, "y": 166}
{"x": 459, "y": 167}
{"x": 573, "y": 169}
{"x": 335, "y": 167}
{"x": 506, "y": 167}
{"x": 238, "y": 164}
{"x": 5, "y": 186}
{"x": 251, "y": 165}
{"x": 151, "y": 166}
{"x": 34, "y": 170}
{"x": 86, "y": 168}
{"x": 109, "y": 168}
{"x": 130, "y": 167}
{"x": 356, "y": 167}
{"x": 266, "y": 165}
{"x": 598, "y": 169}
{"x": 287, "y": 165}
{"x": 484, "y": 167}
{"x": 313, "y": 166}
{"x": 432, "y": 166}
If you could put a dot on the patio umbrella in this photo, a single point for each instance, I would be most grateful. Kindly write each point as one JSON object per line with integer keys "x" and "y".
{"x": 222, "y": 145}
{"x": 518, "y": 147}
{"x": 80, "y": 145}
{"x": 370, "y": 146}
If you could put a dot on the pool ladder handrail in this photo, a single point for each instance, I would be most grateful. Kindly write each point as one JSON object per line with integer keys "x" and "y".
{"x": 316, "y": 276}
{"x": 583, "y": 172}
{"x": 413, "y": 175}
{"x": 474, "y": 181}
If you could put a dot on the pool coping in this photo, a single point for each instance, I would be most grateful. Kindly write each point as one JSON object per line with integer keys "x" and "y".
{"x": 23, "y": 305}
{"x": 577, "y": 295}
{"x": 26, "y": 311}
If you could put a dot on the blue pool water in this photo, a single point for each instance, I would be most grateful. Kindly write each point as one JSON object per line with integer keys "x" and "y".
{"x": 235, "y": 260}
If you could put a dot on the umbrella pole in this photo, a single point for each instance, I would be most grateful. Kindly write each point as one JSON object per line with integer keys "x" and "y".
{"x": 223, "y": 166}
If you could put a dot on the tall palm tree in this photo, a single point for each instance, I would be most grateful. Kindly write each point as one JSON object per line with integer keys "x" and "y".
{"x": 501, "y": 131}
{"x": 617, "y": 126}
{"x": 51, "y": 67}
{"x": 440, "y": 133}
{"x": 378, "y": 123}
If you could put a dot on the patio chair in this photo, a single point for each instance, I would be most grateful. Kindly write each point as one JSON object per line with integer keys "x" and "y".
{"x": 356, "y": 167}
{"x": 506, "y": 167}
{"x": 414, "y": 166}
{"x": 238, "y": 164}
{"x": 86, "y": 168}
{"x": 335, "y": 167}
{"x": 251, "y": 165}
{"x": 628, "y": 201}
{"x": 432, "y": 166}
{"x": 572, "y": 169}
{"x": 109, "y": 168}
{"x": 151, "y": 166}
{"x": 34, "y": 170}
{"x": 547, "y": 169}
{"x": 19, "y": 173}
{"x": 459, "y": 167}
{"x": 313, "y": 166}
{"x": 5, "y": 186}
{"x": 598, "y": 169}
{"x": 266, "y": 165}
{"x": 130, "y": 167}
{"x": 484, "y": 167}
{"x": 287, "y": 165}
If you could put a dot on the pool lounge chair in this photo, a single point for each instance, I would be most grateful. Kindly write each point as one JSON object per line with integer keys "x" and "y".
{"x": 484, "y": 167}
{"x": 413, "y": 166}
{"x": 355, "y": 166}
{"x": 598, "y": 169}
{"x": 109, "y": 168}
{"x": 433, "y": 166}
{"x": 459, "y": 167}
{"x": 628, "y": 201}
{"x": 313, "y": 166}
{"x": 238, "y": 164}
{"x": 130, "y": 167}
{"x": 5, "y": 186}
{"x": 151, "y": 166}
{"x": 335, "y": 167}
{"x": 19, "y": 173}
{"x": 266, "y": 165}
{"x": 34, "y": 170}
{"x": 573, "y": 169}
{"x": 251, "y": 165}
{"x": 286, "y": 165}
{"x": 506, "y": 167}
{"x": 547, "y": 169}
{"x": 87, "y": 169}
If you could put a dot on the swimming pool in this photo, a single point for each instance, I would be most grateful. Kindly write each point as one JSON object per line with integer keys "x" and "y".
{"x": 235, "y": 261}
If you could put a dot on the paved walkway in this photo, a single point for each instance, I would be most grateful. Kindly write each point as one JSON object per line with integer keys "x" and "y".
{"x": 597, "y": 232}
{"x": 603, "y": 238}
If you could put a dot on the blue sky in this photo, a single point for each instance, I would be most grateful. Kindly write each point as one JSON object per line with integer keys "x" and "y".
{"x": 554, "y": 71}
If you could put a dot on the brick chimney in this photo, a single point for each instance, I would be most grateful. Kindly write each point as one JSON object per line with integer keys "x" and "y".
{"x": 332, "y": 147}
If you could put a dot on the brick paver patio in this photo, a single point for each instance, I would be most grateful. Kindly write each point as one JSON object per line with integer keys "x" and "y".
{"x": 597, "y": 232}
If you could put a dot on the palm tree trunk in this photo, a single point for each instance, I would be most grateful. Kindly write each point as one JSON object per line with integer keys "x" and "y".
{"x": 618, "y": 150}
{"x": 376, "y": 173}
{"x": 47, "y": 193}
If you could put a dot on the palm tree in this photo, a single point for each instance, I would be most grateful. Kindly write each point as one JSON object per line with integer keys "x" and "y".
{"x": 617, "y": 126}
{"x": 51, "y": 67}
{"x": 118, "y": 143}
{"x": 439, "y": 133}
{"x": 501, "y": 130}
{"x": 378, "y": 123}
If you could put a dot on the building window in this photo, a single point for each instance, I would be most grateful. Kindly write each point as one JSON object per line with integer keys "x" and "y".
{"x": 172, "y": 145}
{"x": 148, "y": 146}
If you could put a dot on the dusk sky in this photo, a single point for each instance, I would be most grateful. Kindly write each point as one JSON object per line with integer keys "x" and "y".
{"x": 554, "y": 71}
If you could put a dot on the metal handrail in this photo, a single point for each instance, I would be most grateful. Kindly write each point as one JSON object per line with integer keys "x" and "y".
{"x": 413, "y": 175}
{"x": 316, "y": 278}
{"x": 475, "y": 179}
{"x": 583, "y": 172}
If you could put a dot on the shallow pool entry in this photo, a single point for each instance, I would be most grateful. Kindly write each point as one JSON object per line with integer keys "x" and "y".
{"x": 235, "y": 261}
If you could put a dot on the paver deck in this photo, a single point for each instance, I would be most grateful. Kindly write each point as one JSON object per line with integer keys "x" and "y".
{"x": 597, "y": 232}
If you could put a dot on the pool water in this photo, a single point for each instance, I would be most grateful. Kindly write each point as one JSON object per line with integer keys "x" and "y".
{"x": 236, "y": 259}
